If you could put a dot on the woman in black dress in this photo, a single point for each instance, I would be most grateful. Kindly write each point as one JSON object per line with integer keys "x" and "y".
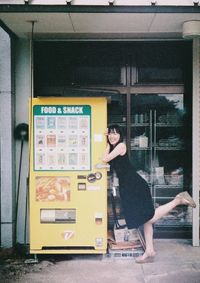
{"x": 135, "y": 193}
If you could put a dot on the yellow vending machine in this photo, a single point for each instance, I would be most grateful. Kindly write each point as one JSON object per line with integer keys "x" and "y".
{"x": 68, "y": 195}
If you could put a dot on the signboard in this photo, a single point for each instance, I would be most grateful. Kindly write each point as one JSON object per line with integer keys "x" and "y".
{"x": 62, "y": 137}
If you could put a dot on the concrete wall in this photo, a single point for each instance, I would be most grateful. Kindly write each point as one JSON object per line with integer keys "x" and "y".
{"x": 13, "y": 111}
{"x": 7, "y": 159}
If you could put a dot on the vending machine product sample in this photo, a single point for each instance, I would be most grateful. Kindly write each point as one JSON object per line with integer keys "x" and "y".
{"x": 68, "y": 192}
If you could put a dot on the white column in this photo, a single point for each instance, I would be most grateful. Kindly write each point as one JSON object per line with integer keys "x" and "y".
{"x": 23, "y": 90}
{"x": 196, "y": 137}
{"x": 7, "y": 160}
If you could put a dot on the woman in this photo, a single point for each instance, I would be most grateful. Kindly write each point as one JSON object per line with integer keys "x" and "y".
{"x": 135, "y": 194}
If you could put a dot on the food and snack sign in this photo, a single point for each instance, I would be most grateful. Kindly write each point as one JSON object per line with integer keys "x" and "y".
{"x": 62, "y": 137}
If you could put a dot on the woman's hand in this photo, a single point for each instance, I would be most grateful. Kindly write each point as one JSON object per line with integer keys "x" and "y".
{"x": 106, "y": 132}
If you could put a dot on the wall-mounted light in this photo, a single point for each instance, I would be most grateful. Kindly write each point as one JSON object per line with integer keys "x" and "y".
{"x": 111, "y": 2}
{"x": 191, "y": 29}
{"x": 196, "y": 3}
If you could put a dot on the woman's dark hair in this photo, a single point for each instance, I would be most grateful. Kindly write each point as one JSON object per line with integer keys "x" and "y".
{"x": 115, "y": 128}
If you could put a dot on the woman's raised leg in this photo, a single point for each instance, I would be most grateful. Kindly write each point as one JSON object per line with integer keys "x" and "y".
{"x": 182, "y": 198}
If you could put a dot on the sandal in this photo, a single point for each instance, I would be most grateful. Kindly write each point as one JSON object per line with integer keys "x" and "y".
{"x": 186, "y": 199}
{"x": 147, "y": 259}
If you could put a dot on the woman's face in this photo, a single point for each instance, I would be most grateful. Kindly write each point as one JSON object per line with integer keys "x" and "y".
{"x": 113, "y": 137}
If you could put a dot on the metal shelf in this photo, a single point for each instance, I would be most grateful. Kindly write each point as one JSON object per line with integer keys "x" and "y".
{"x": 169, "y": 125}
{"x": 168, "y": 148}
{"x": 140, "y": 148}
{"x": 140, "y": 124}
{"x": 168, "y": 186}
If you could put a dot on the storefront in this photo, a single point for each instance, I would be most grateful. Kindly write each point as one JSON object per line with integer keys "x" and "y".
{"x": 136, "y": 56}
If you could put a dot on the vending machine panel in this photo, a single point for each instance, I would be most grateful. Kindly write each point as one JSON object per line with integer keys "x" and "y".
{"x": 68, "y": 192}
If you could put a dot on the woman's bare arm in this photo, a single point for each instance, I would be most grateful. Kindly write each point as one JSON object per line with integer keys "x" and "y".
{"x": 107, "y": 150}
{"x": 120, "y": 149}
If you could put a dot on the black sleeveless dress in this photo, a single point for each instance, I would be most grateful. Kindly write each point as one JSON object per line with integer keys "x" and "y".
{"x": 135, "y": 193}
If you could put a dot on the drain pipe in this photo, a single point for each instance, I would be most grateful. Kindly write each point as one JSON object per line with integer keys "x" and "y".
{"x": 20, "y": 133}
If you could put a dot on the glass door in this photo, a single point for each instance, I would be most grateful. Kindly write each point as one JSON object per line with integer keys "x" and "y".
{"x": 159, "y": 152}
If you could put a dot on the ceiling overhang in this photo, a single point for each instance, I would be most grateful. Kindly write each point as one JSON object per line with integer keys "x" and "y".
{"x": 63, "y": 22}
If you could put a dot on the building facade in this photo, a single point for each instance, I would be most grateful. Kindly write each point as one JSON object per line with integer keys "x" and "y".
{"x": 113, "y": 48}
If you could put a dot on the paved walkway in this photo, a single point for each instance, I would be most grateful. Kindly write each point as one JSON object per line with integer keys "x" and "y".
{"x": 176, "y": 261}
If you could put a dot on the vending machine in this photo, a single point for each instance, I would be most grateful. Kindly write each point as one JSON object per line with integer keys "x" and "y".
{"x": 68, "y": 192}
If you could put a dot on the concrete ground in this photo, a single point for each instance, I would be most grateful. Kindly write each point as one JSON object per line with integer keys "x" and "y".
{"x": 175, "y": 261}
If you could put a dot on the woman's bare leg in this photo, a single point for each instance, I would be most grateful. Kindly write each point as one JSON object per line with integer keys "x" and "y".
{"x": 148, "y": 232}
{"x": 164, "y": 209}
{"x": 149, "y": 252}
{"x": 148, "y": 228}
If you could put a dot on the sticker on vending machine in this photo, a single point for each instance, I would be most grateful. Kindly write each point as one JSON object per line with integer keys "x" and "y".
{"x": 99, "y": 242}
{"x": 67, "y": 235}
